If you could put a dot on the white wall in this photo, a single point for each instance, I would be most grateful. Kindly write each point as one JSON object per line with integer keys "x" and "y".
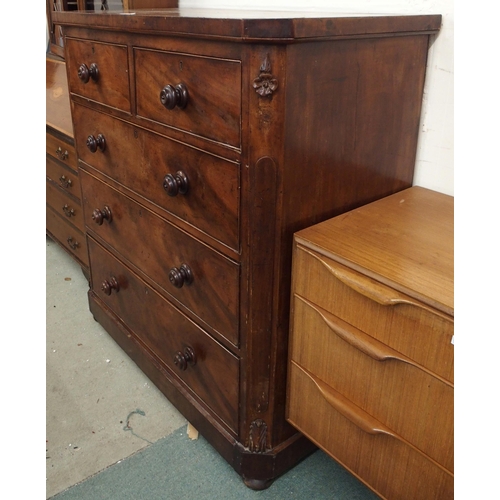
{"x": 434, "y": 164}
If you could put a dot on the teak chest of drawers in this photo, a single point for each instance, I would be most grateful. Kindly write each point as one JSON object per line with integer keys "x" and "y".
{"x": 205, "y": 140}
{"x": 64, "y": 214}
{"x": 371, "y": 342}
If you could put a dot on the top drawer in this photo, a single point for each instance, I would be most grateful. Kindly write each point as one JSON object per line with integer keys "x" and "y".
{"x": 201, "y": 95}
{"x": 99, "y": 71}
{"x": 379, "y": 311}
{"x": 61, "y": 150}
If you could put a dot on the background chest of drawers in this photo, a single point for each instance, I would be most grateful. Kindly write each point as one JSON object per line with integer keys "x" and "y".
{"x": 64, "y": 222}
{"x": 205, "y": 140}
{"x": 371, "y": 345}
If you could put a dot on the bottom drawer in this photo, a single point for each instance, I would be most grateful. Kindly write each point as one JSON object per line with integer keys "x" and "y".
{"x": 213, "y": 374}
{"x": 68, "y": 236}
{"x": 384, "y": 462}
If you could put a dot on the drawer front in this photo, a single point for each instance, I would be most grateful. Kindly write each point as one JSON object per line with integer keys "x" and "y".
{"x": 64, "y": 205}
{"x": 64, "y": 177}
{"x": 168, "y": 333}
{"x": 386, "y": 385}
{"x": 377, "y": 310}
{"x": 387, "y": 464}
{"x": 68, "y": 236}
{"x": 61, "y": 150}
{"x": 205, "y": 191}
{"x": 161, "y": 250}
{"x": 212, "y": 108}
{"x": 111, "y": 85}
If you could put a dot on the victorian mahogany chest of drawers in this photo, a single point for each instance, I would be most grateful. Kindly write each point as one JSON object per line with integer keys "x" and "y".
{"x": 64, "y": 214}
{"x": 371, "y": 342}
{"x": 205, "y": 139}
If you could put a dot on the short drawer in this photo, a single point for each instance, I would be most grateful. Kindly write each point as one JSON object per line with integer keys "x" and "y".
{"x": 99, "y": 71}
{"x": 66, "y": 206}
{"x": 382, "y": 460}
{"x": 379, "y": 311}
{"x": 385, "y": 384}
{"x": 202, "y": 95}
{"x": 206, "y": 367}
{"x": 189, "y": 271}
{"x": 61, "y": 150}
{"x": 63, "y": 176}
{"x": 67, "y": 235}
{"x": 197, "y": 187}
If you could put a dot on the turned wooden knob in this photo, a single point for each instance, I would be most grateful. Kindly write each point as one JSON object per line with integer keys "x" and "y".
{"x": 96, "y": 142}
{"x": 85, "y": 73}
{"x": 98, "y": 216}
{"x": 176, "y": 183}
{"x": 181, "y": 359}
{"x": 171, "y": 96}
{"x": 108, "y": 286}
{"x": 181, "y": 276}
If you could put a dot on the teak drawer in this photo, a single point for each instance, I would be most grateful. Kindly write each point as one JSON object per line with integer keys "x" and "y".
{"x": 209, "y": 105}
{"x": 71, "y": 238}
{"x": 108, "y": 85}
{"x": 386, "y": 385}
{"x": 64, "y": 205}
{"x": 63, "y": 176}
{"x": 197, "y": 187}
{"x": 389, "y": 465}
{"x": 161, "y": 251}
{"x": 168, "y": 334}
{"x": 61, "y": 150}
{"x": 379, "y": 311}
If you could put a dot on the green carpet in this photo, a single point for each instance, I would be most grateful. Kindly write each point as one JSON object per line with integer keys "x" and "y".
{"x": 176, "y": 467}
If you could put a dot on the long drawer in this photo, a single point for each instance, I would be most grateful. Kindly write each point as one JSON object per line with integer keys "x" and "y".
{"x": 67, "y": 235}
{"x": 205, "y": 366}
{"x": 385, "y": 384}
{"x": 64, "y": 205}
{"x": 99, "y": 71}
{"x": 197, "y": 187}
{"x": 377, "y": 310}
{"x": 379, "y": 457}
{"x": 204, "y": 281}
{"x": 202, "y": 94}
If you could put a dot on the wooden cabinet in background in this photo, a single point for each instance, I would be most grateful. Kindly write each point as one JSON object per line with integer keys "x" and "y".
{"x": 64, "y": 223}
{"x": 205, "y": 140}
{"x": 371, "y": 343}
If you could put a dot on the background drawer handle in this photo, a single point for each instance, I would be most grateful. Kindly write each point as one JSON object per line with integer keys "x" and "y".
{"x": 182, "y": 359}
{"x": 93, "y": 143}
{"x": 175, "y": 184}
{"x": 67, "y": 183}
{"x": 63, "y": 155}
{"x": 73, "y": 243}
{"x": 98, "y": 216}
{"x": 171, "y": 96}
{"x": 68, "y": 212}
{"x": 85, "y": 73}
{"x": 181, "y": 276}
{"x": 107, "y": 286}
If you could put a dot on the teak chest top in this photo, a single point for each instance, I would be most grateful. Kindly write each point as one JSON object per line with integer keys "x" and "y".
{"x": 402, "y": 234}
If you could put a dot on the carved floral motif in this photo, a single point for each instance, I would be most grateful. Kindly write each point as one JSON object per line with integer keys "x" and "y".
{"x": 258, "y": 436}
{"x": 265, "y": 84}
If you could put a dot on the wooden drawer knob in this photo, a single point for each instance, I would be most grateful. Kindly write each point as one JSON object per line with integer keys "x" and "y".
{"x": 181, "y": 276}
{"x": 171, "y": 96}
{"x": 98, "y": 215}
{"x": 176, "y": 183}
{"x": 182, "y": 359}
{"x": 85, "y": 73}
{"x": 107, "y": 286}
{"x": 93, "y": 143}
